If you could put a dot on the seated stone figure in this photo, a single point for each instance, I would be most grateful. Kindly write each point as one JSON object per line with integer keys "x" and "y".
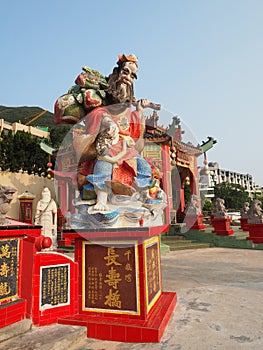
{"x": 254, "y": 214}
{"x": 219, "y": 210}
{"x": 6, "y": 196}
{"x": 244, "y": 210}
{"x": 193, "y": 207}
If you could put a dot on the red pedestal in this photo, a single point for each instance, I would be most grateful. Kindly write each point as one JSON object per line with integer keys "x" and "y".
{"x": 15, "y": 263}
{"x": 120, "y": 284}
{"x": 255, "y": 233}
{"x": 194, "y": 222}
{"x": 243, "y": 223}
{"x": 55, "y": 285}
{"x": 34, "y": 284}
{"x": 222, "y": 226}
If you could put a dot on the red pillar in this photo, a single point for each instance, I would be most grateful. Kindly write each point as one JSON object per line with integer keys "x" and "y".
{"x": 166, "y": 181}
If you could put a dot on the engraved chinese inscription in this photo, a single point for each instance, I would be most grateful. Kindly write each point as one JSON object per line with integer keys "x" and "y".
{"x": 110, "y": 277}
{"x": 9, "y": 269}
{"x": 153, "y": 271}
{"x": 54, "y": 281}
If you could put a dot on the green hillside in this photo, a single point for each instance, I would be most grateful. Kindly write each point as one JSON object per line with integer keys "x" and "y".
{"x": 25, "y": 114}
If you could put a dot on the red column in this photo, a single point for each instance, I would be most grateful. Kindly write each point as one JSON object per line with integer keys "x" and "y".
{"x": 166, "y": 183}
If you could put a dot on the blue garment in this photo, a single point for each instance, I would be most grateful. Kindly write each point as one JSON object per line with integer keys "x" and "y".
{"x": 103, "y": 172}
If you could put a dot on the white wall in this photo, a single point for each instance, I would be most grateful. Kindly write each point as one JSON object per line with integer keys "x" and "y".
{"x": 24, "y": 182}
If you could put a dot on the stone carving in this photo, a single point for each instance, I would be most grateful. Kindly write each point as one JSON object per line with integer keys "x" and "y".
{"x": 112, "y": 175}
{"x": 219, "y": 210}
{"x": 193, "y": 207}
{"x": 46, "y": 216}
{"x": 244, "y": 210}
{"x": 6, "y": 196}
{"x": 254, "y": 214}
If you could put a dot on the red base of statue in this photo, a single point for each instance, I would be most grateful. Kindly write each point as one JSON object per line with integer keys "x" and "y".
{"x": 222, "y": 226}
{"x": 255, "y": 233}
{"x": 243, "y": 223}
{"x": 120, "y": 285}
{"x": 194, "y": 222}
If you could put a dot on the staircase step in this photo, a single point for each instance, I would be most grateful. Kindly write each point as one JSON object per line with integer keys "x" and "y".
{"x": 177, "y": 241}
{"x": 189, "y": 246}
{"x": 165, "y": 248}
{"x": 172, "y": 238}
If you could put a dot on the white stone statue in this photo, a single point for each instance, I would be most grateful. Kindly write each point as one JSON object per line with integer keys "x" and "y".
{"x": 255, "y": 214}
{"x": 6, "y": 196}
{"x": 193, "y": 207}
{"x": 219, "y": 210}
{"x": 46, "y": 216}
{"x": 244, "y": 210}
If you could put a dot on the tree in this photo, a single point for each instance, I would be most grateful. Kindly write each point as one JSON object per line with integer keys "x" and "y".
{"x": 234, "y": 195}
{"x": 6, "y": 148}
{"x": 57, "y": 134}
{"x": 21, "y": 151}
{"x": 207, "y": 207}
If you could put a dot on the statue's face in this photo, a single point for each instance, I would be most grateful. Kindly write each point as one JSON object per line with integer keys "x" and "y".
{"x": 46, "y": 194}
{"x": 121, "y": 83}
{"x": 128, "y": 73}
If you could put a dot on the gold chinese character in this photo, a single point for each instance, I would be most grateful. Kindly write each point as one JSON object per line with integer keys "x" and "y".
{"x": 5, "y": 251}
{"x": 113, "y": 299}
{"x": 111, "y": 257}
{"x": 128, "y": 253}
{"x": 113, "y": 278}
{"x": 14, "y": 251}
{"x": 4, "y": 269}
{"x": 4, "y": 288}
{"x": 128, "y": 267}
{"x": 155, "y": 286}
{"x": 128, "y": 277}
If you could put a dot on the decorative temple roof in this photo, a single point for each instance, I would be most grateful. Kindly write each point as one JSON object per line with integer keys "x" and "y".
{"x": 156, "y": 135}
{"x": 173, "y": 134}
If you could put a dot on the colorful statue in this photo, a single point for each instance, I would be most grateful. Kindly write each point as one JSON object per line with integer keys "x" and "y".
{"x": 46, "y": 216}
{"x": 108, "y": 138}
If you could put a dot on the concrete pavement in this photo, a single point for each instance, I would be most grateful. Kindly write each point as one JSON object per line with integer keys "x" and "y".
{"x": 220, "y": 306}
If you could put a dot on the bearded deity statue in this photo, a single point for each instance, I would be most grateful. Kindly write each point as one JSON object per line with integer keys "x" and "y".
{"x": 108, "y": 137}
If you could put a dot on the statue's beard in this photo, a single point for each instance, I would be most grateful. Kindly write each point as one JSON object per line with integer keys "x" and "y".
{"x": 119, "y": 91}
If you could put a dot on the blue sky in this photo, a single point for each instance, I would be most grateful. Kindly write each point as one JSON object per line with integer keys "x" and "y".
{"x": 202, "y": 60}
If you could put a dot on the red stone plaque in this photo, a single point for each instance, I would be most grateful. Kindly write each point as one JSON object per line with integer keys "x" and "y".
{"x": 110, "y": 277}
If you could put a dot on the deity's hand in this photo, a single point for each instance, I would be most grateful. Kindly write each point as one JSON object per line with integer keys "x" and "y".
{"x": 129, "y": 141}
{"x": 142, "y": 104}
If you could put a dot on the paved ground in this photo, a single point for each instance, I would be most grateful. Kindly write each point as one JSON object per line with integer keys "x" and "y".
{"x": 220, "y": 306}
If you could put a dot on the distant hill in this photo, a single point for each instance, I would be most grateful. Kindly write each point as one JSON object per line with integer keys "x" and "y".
{"x": 25, "y": 114}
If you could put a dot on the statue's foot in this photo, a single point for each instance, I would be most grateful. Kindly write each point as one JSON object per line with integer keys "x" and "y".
{"x": 100, "y": 207}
